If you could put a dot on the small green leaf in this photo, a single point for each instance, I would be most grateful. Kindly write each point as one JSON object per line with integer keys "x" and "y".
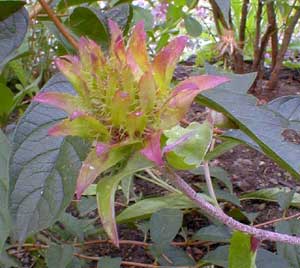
{"x": 106, "y": 189}
{"x": 86, "y": 205}
{"x": 213, "y": 233}
{"x": 164, "y": 225}
{"x": 219, "y": 256}
{"x": 192, "y": 26}
{"x": 108, "y": 262}
{"x": 143, "y": 14}
{"x": 285, "y": 198}
{"x": 190, "y": 153}
{"x": 59, "y": 256}
{"x": 271, "y": 195}
{"x": 221, "y": 149}
{"x": 240, "y": 252}
{"x": 144, "y": 208}
{"x": 6, "y": 100}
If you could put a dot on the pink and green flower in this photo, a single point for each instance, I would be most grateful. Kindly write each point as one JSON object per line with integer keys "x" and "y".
{"x": 124, "y": 100}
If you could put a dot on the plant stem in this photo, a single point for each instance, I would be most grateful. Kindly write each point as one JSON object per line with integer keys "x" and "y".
{"x": 209, "y": 184}
{"x": 218, "y": 214}
{"x": 58, "y": 24}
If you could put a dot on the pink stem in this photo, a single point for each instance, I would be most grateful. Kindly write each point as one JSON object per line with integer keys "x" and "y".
{"x": 230, "y": 222}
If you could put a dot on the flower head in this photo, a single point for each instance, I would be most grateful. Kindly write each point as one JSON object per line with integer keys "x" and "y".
{"x": 123, "y": 99}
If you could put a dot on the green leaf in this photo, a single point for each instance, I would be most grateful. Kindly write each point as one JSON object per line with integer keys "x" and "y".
{"x": 108, "y": 262}
{"x": 4, "y": 179}
{"x": 222, "y": 148}
{"x": 215, "y": 233}
{"x": 80, "y": 23}
{"x": 127, "y": 187}
{"x": 43, "y": 169}
{"x": 144, "y": 208}
{"x": 192, "y": 26}
{"x": 7, "y": 8}
{"x": 190, "y": 153}
{"x": 143, "y": 14}
{"x": 264, "y": 259}
{"x": 12, "y": 32}
{"x": 87, "y": 205}
{"x": 7, "y": 261}
{"x": 240, "y": 252}
{"x": 290, "y": 252}
{"x": 218, "y": 173}
{"x": 271, "y": 195}
{"x": 285, "y": 198}
{"x": 264, "y": 124}
{"x": 164, "y": 225}
{"x": 106, "y": 189}
{"x": 170, "y": 256}
{"x": 224, "y": 6}
{"x": 174, "y": 13}
{"x": 6, "y": 99}
{"x": 59, "y": 256}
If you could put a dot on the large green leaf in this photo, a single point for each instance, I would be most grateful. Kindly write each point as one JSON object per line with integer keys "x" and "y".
{"x": 7, "y": 8}
{"x": 106, "y": 189}
{"x": 4, "y": 213}
{"x": 12, "y": 32}
{"x": 264, "y": 124}
{"x": 43, "y": 169}
{"x": 144, "y": 208}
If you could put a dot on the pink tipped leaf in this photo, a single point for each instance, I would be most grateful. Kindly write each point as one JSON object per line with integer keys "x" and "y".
{"x": 165, "y": 62}
{"x": 183, "y": 96}
{"x": 117, "y": 43}
{"x": 94, "y": 165}
{"x": 64, "y": 101}
{"x": 84, "y": 126}
{"x": 152, "y": 150}
{"x": 138, "y": 48}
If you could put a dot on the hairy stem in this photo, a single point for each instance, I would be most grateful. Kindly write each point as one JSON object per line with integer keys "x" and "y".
{"x": 218, "y": 214}
{"x": 58, "y": 24}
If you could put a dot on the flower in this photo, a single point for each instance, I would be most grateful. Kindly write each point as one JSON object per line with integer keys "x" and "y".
{"x": 123, "y": 100}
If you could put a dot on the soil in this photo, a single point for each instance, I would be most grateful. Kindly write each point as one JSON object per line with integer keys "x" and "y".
{"x": 249, "y": 171}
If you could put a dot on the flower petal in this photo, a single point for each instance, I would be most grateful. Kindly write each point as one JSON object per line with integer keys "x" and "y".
{"x": 165, "y": 62}
{"x": 152, "y": 151}
{"x": 138, "y": 47}
{"x": 64, "y": 101}
{"x": 84, "y": 126}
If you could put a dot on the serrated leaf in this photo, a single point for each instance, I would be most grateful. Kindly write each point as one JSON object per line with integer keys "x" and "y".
{"x": 4, "y": 178}
{"x": 215, "y": 233}
{"x": 164, "y": 225}
{"x": 109, "y": 262}
{"x": 59, "y": 256}
{"x": 12, "y": 32}
{"x": 240, "y": 251}
{"x": 264, "y": 124}
{"x": 190, "y": 153}
{"x": 43, "y": 169}
{"x": 192, "y": 26}
{"x": 106, "y": 189}
{"x": 271, "y": 194}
